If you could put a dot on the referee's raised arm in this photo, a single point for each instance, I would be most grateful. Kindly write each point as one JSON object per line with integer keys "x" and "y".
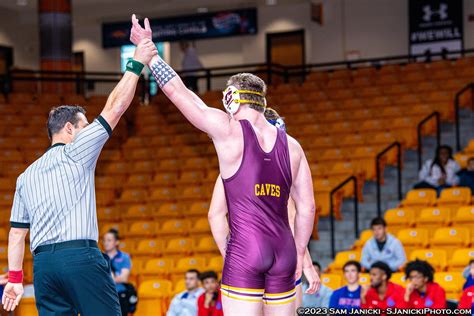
{"x": 55, "y": 200}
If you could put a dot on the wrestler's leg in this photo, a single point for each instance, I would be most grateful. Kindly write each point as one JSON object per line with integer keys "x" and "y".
{"x": 287, "y": 309}
{"x": 235, "y": 307}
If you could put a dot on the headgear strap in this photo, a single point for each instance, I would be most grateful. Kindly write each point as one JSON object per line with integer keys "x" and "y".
{"x": 231, "y": 99}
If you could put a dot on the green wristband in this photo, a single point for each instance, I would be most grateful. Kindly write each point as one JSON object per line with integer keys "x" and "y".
{"x": 135, "y": 66}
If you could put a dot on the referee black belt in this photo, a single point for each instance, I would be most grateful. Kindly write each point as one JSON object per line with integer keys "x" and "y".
{"x": 83, "y": 243}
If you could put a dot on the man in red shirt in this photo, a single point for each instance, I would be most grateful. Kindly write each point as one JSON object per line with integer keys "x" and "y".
{"x": 210, "y": 303}
{"x": 382, "y": 293}
{"x": 422, "y": 292}
{"x": 467, "y": 298}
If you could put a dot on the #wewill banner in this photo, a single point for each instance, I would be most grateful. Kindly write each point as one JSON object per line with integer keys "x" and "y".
{"x": 436, "y": 26}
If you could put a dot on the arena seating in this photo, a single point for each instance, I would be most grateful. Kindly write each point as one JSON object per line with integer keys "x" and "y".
{"x": 155, "y": 176}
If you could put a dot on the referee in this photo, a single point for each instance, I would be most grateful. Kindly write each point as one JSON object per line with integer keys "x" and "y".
{"x": 55, "y": 199}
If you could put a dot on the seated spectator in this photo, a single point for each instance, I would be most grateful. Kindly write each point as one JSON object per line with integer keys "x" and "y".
{"x": 382, "y": 247}
{"x": 440, "y": 172}
{"x": 210, "y": 303}
{"x": 348, "y": 297}
{"x": 467, "y": 299}
{"x": 468, "y": 274}
{"x": 466, "y": 176}
{"x": 321, "y": 297}
{"x": 121, "y": 265}
{"x": 382, "y": 293}
{"x": 421, "y": 291}
{"x": 185, "y": 303}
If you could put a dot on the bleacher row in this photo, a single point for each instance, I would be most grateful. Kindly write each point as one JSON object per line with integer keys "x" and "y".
{"x": 155, "y": 176}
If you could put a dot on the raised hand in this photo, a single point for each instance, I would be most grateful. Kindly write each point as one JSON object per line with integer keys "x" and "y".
{"x": 138, "y": 33}
{"x": 145, "y": 51}
{"x": 313, "y": 279}
{"x": 12, "y": 295}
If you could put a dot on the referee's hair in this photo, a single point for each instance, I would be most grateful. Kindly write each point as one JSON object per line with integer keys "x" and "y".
{"x": 59, "y": 116}
{"x": 115, "y": 233}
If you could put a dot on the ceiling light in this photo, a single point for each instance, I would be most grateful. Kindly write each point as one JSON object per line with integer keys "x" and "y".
{"x": 22, "y": 3}
{"x": 271, "y": 2}
{"x": 202, "y": 10}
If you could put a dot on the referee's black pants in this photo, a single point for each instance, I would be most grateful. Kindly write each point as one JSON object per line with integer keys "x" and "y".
{"x": 73, "y": 281}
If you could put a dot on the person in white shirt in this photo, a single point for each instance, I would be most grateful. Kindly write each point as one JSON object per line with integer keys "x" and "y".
{"x": 190, "y": 62}
{"x": 185, "y": 303}
{"x": 439, "y": 173}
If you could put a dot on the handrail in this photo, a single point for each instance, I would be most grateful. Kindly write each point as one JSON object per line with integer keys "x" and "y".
{"x": 356, "y": 211}
{"x": 436, "y": 115}
{"x": 457, "y": 100}
{"x": 399, "y": 173}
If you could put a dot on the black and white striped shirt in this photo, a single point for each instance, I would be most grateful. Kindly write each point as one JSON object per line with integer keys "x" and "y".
{"x": 55, "y": 196}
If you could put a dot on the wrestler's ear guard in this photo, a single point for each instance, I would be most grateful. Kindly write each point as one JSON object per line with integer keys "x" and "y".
{"x": 231, "y": 99}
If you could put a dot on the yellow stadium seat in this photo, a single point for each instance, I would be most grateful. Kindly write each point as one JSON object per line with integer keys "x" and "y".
{"x": 333, "y": 281}
{"x": 149, "y": 247}
{"x": 436, "y": 257}
{"x": 342, "y": 257}
{"x": 413, "y": 238}
{"x": 106, "y": 183}
{"x": 206, "y": 245}
{"x": 198, "y": 209}
{"x": 365, "y": 235}
{"x": 139, "y": 211}
{"x": 399, "y": 218}
{"x": 420, "y": 198}
{"x": 399, "y": 278}
{"x": 464, "y": 215}
{"x": 181, "y": 246}
{"x": 175, "y": 227}
{"x": 191, "y": 177}
{"x": 461, "y": 258}
{"x": 187, "y": 263}
{"x": 138, "y": 181}
{"x": 160, "y": 267}
{"x": 168, "y": 165}
{"x": 455, "y": 196}
{"x": 109, "y": 214}
{"x": 216, "y": 263}
{"x": 154, "y": 297}
{"x": 195, "y": 164}
{"x": 194, "y": 194}
{"x": 117, "y": 168}
{"x": 127, "y": 245}
{"x": 451, "y": 282}
{"x": 364, "y": 279}
{"x": 451, "y": 237}
{"x": 165, "y": 179}
{"x": 134, "y": 196}
{"x": 142, "y": 229}
{"x": 433, "y": 217}
{"x": 201, "y": 226}
{"x": 179, "y": 286}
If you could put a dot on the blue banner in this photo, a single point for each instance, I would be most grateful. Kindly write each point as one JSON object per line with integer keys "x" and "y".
{"x": 191, "y": 27}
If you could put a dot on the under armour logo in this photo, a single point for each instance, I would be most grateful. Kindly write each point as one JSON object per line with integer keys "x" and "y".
{"x": 442, "y": 12}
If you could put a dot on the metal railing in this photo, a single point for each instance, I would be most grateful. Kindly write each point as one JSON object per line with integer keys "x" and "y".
{"x": 379, "y": 175}
{"x": 331, "y": 210}
{"x": 457, "y": 101}
{"x": 419, "y": 131}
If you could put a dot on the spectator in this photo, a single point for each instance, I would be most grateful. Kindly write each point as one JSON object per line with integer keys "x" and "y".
{"x": 382, "y": 247}
{"x": 210, "y": 303}
{"x": 421, "y": 291}
{"x": 466, "y": 176}
{"x": 321, "y": 297}
{"x": 190, "y": 62}
{"x": 382, "y": 293}
{"x": 467, "y": 299}
{"x": 468, "y": 274}
{"x": 439, "y": 173}
{"x": 185, "y": 303}
{"x": 121, "y": 265}
{"x": 348, "y": 297}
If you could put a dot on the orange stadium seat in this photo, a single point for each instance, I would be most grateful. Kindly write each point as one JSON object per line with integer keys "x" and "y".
{"x": 175, "y": 227}
{"x": 464, "y": 216}
{"x": 154, "y": 297}
{"x": 399, "y": 218}
{"x": 142, "y": 229}
{"x": 166, "y": 179}
{"x": 187, "y": 263}
{"x": 216, "y": 263}
{"x": 138, "y": 181}
{"x": 455, "y": 197}
{"x": 169, "y": 210}
{"x": 157, "y": 267}
{"x": 341, "y": 258}
{"x": 206, "y": 245}
{"x": 198, "y": 209}
{"x": 149, "y": 247}
{"x": 451, "y": 237}
{"x": 162, "y": 195}
{"x": 412, "y": 238}
{"x": 433, "y": 218}
{"x": 436, "y": 257}
{"x": 133, "y": 196}
{"x": 181, "y": 246}
{"x": 363, "y": 238}
{"x": 201, "y": 226}
{"x": 399, "y": 278}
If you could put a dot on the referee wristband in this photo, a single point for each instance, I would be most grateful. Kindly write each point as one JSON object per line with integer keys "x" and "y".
{"x": 135, "y": 66}
{"x": 15, "y": 276}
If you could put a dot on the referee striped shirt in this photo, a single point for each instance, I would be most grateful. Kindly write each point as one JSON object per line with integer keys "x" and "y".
{"x": 55, "y": 196}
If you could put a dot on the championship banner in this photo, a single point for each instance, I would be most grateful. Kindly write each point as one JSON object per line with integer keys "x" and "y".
{"x": 191, "y": 27}
{"x": 436, "y": 26}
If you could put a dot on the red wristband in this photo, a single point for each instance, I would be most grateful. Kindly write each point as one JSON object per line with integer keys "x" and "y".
{"x": 15, "y": 276}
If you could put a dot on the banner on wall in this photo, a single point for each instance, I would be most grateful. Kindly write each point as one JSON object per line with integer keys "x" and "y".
{"x": 436, "y": 26}
{"x": 191, "y": 27}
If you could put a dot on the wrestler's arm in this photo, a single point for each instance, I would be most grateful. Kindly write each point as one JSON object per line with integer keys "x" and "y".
{"x": 212, "y": 121}
{"x": 217, "y": 216}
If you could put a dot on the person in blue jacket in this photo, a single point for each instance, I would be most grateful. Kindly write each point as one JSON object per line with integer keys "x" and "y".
{"x": 382, "y": 247}
{"x": 348, "y": 297}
